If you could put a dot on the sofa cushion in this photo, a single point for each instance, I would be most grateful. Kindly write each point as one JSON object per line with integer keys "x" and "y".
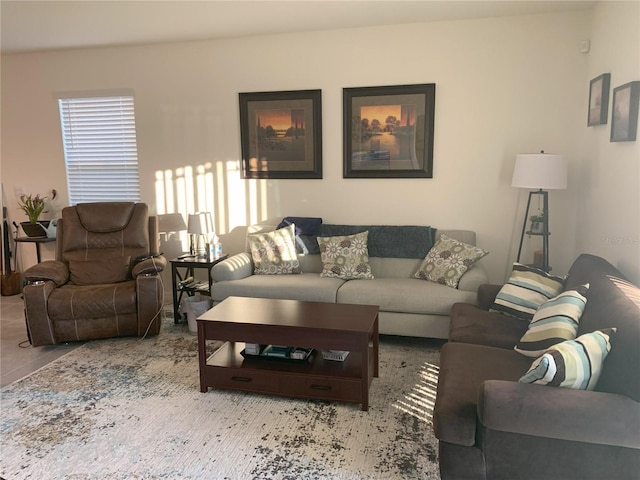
{"x": 274, "y": 252}
{"x": 463, "y": 368}
{"x": 345, "y": 257}
{"x": 306, "y": 286}
{"x": 526, "y": 289}
{"x": 96, "y": 272}
{"x": 448, "y": 260}
{"x": 555, "y": 321}
{"x": 471, "y": 324}
{"x": 572, "y": 363}
{"x": 611, "y": 302}
{"x": 392, "y": 241}
{"x": 92, "y": 301}
{"x": 407, "y": 295}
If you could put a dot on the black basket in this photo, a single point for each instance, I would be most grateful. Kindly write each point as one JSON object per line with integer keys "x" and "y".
{"x": 35, "y": 230}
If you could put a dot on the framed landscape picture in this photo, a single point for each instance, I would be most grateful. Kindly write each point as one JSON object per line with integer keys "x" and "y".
{"x": 624, "y": 114}
{"x": 599, "y": 100}
{"x": 281, "y": 134}
{"x": 388, "y": 131}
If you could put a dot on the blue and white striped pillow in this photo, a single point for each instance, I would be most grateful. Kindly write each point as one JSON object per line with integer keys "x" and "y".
{"x": 555, "y": 321}
{"x": 526, "y": 290}
{"x": 572, "y": 364}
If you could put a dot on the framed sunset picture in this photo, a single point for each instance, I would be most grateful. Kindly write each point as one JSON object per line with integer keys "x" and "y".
{"x": 388, "y": 131}
{"x": 281, "y": 134}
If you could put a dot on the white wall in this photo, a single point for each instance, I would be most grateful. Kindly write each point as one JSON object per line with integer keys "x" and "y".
{"x": 503, "y": 86}
{"x": 609, "y": 206}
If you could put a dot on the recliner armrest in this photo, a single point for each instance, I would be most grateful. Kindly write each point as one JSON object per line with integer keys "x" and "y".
{"x": 559, "y": 413}
{"x": 149, "y": 266}
{"x": 235, "y": 267}
{"x": 57, "y": 272}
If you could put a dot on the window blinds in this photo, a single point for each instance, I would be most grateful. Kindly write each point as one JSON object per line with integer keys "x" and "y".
{"x": 100, "y": 151}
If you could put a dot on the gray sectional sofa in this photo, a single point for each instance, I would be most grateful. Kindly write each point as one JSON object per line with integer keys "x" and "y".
{"x": 491, "y": 426}
{"x": 408, "y": 306}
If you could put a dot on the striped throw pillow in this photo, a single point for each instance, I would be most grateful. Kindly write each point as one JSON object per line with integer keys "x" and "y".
{"x": 526, "y": 290}
{"x": 554, "y": 322}
{"x": 572, "y": 364}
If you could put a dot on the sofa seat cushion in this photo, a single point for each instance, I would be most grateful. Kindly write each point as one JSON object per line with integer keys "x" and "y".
{"x": 306, "y": 286}
{"x": 463, "y": 368}
{"x": 408, "y": 295}
{"x": 92, "y": 301}
{"x": 470, "y": 324}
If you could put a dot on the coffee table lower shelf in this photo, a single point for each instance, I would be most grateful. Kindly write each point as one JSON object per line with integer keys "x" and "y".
{"x": 316, "y": 379}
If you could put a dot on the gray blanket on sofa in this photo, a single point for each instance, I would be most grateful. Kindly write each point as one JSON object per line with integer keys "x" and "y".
{"x": 403, "y": 241}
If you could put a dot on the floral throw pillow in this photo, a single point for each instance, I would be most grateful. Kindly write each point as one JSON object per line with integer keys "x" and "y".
{"x": 345, "y": 257}
{"x": 274, "y": 252}
{"x": 448, "y": 260}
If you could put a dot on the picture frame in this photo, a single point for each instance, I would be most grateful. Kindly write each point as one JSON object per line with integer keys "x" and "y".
{"x": 388, "y": 131}
{"x": 599, "y": 100}
{"x": 624, "y": 113}
{"x": 281, "y": 134}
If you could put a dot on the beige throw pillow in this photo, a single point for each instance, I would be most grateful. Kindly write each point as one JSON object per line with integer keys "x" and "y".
{"x": 274, "y": 253}
{"x": 345, "y": 257}
{"x": 448, "y": 260}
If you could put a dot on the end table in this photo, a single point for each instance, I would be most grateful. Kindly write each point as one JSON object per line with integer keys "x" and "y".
{"x": 184, "y": 267}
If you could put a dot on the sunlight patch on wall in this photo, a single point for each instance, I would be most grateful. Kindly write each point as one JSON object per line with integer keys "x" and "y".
{"x": 212, "y": 187}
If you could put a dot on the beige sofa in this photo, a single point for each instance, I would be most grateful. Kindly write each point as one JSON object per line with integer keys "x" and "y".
{"x": 408, "y": 306}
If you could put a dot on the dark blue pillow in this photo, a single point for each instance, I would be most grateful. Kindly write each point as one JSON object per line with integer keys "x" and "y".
{"x": 304, "y": 225}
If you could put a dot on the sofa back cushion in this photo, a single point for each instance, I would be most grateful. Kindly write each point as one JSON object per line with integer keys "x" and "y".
{"x": 611, "y": 302}
{"x": 396, "y": 241}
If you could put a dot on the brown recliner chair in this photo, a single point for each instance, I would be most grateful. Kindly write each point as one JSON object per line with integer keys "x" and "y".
{"x": 105, "y": 280}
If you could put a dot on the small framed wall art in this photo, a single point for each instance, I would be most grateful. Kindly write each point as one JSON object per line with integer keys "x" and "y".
{"x": 281, "y": 134}
{"x": 599, "y": 100}
{"x": 624, "y": 114}
{"x": 388, "y": 131}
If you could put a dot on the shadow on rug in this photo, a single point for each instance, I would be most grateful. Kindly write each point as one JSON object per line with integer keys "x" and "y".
{"x": 132, "y": 409}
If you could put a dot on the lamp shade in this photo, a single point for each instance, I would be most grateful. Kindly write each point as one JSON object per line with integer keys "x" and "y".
{"x": 200, "y": 223}
{"x": 171, "y": 222}
{"x": 540, "y": 171}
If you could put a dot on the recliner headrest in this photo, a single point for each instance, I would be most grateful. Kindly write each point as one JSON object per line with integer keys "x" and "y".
{"x": 105, "y": 217}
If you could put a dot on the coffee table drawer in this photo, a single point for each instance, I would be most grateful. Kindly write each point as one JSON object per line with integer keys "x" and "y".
{"x": 323, "y": 388}
{"x": 243, "y": 379}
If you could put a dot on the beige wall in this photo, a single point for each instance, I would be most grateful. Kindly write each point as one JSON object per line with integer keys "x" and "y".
{"x": 609, "y": 207}
{"x": 503, "y": 86}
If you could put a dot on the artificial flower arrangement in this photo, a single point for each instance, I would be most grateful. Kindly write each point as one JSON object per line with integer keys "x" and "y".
{"x": 33, "y": 206}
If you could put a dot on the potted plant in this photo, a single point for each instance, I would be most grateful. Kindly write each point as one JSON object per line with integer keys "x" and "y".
{"x": 537, "y": 222}
{"x": 33, "y": 206}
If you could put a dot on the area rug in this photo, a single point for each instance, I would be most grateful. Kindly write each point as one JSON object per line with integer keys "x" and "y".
{"x": 132, "y": 409}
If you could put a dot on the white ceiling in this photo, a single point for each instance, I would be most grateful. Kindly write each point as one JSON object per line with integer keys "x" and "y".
{"x": 43, "y": 25}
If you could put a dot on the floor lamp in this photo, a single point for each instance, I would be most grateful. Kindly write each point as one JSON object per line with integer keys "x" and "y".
{"x": 540, "y": 171}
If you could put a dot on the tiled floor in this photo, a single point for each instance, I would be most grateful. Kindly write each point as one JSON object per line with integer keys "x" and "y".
{"x": 17, "y": 357}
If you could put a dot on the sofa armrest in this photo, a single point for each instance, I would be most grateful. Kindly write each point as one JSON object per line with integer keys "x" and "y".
{"x": 36, "y": 298}
{"x": 149, "y": 266}
{"x": 52, "y": 270}
{"x": 233, "y": 268}
{"x": 473, "y": 278}
{"x": 559, "y": 413}
{"x": 487, "y": 294}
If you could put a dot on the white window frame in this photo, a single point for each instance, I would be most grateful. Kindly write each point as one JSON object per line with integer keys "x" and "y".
{"x": 100, "y": 146}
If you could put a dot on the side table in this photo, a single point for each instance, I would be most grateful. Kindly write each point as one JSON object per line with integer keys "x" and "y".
{"x": 37, "y": 241}
{"x": 182, "y": 268}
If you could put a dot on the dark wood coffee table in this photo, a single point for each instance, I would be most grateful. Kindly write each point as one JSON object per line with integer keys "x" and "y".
{"x": 322, "y": 326}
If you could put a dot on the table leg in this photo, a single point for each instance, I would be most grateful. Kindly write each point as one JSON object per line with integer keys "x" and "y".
{"x": 365, "y": 372}
{"x": 38, "y": 251}
{"x": 202, "y": 355}
{"x": 174, "y": 284}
